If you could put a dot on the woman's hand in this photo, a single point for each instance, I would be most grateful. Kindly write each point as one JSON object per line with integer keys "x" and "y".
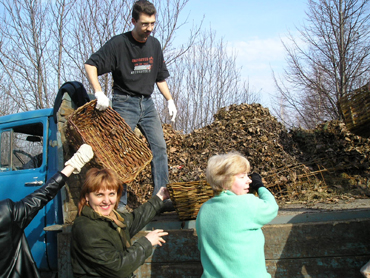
{"x": 163, "y": 193}
{"x": 155, "y": 237}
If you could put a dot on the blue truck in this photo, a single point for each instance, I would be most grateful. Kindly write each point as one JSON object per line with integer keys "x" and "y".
{"x": 29, "y": 152}
{"x": 31, "y": 145}
{"x": 316, "y": 242}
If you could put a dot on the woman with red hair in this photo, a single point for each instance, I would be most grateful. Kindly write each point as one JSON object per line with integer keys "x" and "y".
{"x": 101, "y": 237}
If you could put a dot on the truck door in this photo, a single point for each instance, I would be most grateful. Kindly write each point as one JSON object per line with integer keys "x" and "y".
{"x": 23, "y": 147}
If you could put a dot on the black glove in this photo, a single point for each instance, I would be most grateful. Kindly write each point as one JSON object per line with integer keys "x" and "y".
{"x": 256, "y": 182}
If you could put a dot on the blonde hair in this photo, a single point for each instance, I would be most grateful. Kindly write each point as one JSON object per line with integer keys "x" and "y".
{"x": 97, "y": 179}
{"x": 221, "y": 170}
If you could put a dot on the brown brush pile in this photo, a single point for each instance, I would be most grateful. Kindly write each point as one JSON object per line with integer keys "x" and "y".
{"x": 305, "y": 166}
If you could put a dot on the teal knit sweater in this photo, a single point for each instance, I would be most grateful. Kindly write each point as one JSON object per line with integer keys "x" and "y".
{"x": 230, "y": 238}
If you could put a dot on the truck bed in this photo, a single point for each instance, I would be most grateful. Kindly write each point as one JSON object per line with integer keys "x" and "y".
{"x": 327, "y": 240}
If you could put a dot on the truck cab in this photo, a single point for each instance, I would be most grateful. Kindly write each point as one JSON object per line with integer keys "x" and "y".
{"x": 28, "y": 145}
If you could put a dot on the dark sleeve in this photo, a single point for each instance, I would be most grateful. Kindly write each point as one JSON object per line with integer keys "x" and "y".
{"x": 104, "y": 59}
{"x": 27, "y": 208}
{"x": 162, "y": 71}
{"x": 101, "y": 252}
{"x": 142, "y": 215}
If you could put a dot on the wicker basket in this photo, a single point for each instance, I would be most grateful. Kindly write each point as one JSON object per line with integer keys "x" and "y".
{"x": 114, "y": 144}
{"x": 356, "y": 111}
{"x": 188, "y": 197}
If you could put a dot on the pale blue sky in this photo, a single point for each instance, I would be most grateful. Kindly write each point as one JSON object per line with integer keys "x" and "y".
{"x": 254, "y": 30}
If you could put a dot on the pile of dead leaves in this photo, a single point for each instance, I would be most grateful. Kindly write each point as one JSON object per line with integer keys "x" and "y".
{"x": 297, "y": 166}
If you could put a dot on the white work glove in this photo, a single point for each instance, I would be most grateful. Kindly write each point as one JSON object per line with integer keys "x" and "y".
{"x": 365, "y": 270}
{"x": 102, "y": 101}
{"x": 80, "y": 158}
{"x": 172, "y": 111}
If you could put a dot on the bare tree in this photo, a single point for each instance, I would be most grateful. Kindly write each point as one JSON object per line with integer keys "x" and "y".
{"x": 168, "y": 26}
{"x": 99, "y": 20}
{"x": 45, "y": 43}
{"x": 23, "y": 54}
{"x": 38, "y": 57}
{"x": 328, "y": 60}
{"x": 204, "y": 80}
{"x": 60, "y": 14}
{"x": 6, "y": 103}
{"x": 95, "y": 22}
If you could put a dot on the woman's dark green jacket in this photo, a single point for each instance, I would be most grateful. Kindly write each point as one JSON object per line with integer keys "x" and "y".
{"x": 97, "y": 248}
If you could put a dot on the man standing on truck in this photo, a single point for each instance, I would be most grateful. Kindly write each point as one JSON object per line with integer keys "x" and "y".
{"x": 15, "y": 255}
{"x": 136, "y": 62}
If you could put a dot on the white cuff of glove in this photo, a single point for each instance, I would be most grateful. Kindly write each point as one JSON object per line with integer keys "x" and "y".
{"x": 172, "y": 111}
{"x": 80, "y": 158}
{"x": 102, "y": 101}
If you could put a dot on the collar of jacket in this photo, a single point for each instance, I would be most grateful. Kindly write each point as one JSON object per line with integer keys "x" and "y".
{"x": 93, "y": 215}
{"x": 87, "y": 211}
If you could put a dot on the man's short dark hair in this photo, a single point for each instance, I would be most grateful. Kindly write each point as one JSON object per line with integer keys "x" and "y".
{"x": 142, "y": 6}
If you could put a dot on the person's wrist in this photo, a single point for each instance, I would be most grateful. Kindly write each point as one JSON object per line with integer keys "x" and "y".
{"x": 64, "y": 176}
{"x": 259, "y": 186}
{"x": 160, "y": 197}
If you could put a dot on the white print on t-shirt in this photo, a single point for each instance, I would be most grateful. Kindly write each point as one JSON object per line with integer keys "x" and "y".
{"x": 140, "y": 67}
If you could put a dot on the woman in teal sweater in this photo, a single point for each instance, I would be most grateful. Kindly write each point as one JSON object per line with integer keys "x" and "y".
{"x": 230, "y": 238}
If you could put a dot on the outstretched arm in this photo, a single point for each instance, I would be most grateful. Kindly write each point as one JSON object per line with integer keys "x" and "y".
{"x": 26, "y": 209}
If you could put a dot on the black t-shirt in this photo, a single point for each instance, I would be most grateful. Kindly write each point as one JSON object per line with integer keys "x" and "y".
{"x": 135, "y": 66}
